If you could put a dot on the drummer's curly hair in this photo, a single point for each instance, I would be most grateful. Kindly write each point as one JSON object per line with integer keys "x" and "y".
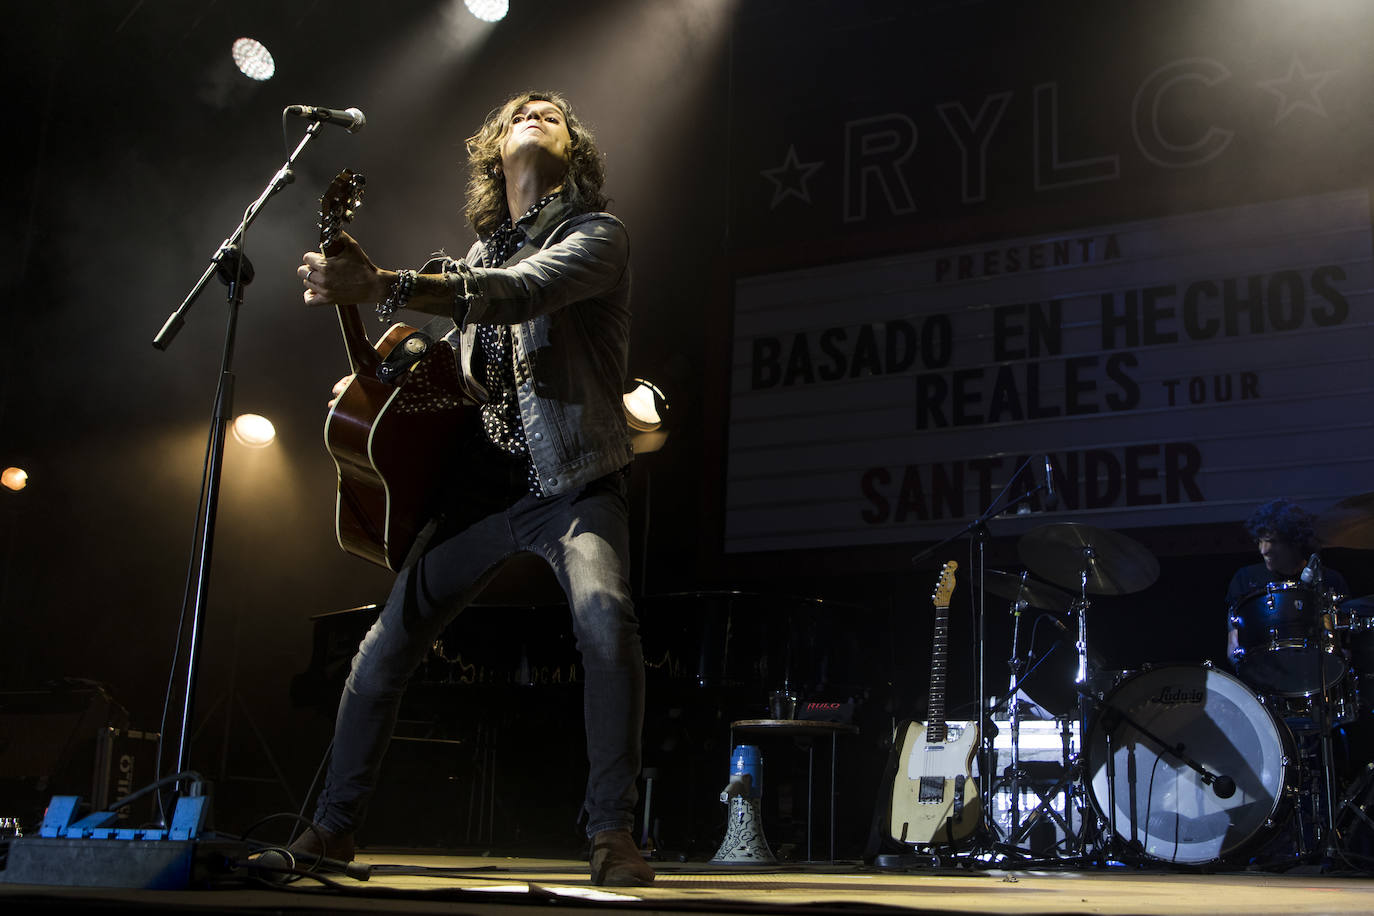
{"x": 1285, "y": 520}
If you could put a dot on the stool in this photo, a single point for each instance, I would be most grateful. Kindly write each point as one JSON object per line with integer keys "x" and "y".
{"x": 798, "y": 728}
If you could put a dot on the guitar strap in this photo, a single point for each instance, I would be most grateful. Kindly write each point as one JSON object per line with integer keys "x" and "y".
{"x": 412, "y": 348}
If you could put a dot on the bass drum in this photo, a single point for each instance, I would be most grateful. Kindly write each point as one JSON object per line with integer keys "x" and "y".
{"x": 1159, "y": 806}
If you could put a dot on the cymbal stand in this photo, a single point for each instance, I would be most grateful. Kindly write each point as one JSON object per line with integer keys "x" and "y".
{"x": 1081, "y": 607}
{"x": 1327, "y": 612}
{"x": 1014, "y": 709}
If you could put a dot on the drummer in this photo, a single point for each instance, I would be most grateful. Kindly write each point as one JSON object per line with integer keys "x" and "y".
{"x": 1285, "y": 535}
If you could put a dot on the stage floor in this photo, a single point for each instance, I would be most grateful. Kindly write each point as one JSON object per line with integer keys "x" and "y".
{"x": 417, "y": 883}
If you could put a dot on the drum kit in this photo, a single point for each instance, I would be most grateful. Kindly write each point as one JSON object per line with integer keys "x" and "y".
{"x": 1190, "y": 764}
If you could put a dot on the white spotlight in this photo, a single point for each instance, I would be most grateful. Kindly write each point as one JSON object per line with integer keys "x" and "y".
{"x": 254, "y": 431}
{"x": 252, "y": 57}
{"x": 641, "y": 410}
{"x": 14, "y": 478}
{"x": 488, "y": 10}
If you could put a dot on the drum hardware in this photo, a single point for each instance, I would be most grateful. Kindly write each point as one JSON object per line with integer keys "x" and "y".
{"x": 1025, "y": 593}
{"x": 1043, "y": 748}
{"x": 1019, "y": 603}
{"x": 1358, "y": 798}
{"x": 1355, "y": 621}
{"x": 1291, "y": 651}
{"x": 1099, "y": 562}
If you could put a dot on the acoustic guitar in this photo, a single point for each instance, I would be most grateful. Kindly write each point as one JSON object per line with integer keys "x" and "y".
{"x": 934, "y": 795}
{"x": 394, "y": 430}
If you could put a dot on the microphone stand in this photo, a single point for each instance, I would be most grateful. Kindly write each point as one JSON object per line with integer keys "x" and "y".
{"x": 232, "y": 267}
{"x": 978, "y": 531}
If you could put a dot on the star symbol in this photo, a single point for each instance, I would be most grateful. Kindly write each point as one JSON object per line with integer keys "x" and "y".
{"x": 789, "y": 179}
{"x": 1297, "y": 90}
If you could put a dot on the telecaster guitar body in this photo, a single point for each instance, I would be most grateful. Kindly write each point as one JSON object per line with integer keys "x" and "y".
{"x": 934, "y": 796}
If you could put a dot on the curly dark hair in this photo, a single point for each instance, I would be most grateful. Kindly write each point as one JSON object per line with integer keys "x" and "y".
{"x": 486, "y": 206}
{"x": 1285, "y": 520}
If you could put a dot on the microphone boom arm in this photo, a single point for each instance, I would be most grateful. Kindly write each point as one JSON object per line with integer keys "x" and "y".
{"x": 281, "y": 179}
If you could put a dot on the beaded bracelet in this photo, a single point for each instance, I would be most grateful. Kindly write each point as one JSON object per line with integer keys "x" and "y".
{"x": 401, "y": 288}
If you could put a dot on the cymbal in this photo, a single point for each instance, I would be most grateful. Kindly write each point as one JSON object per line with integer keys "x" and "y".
{"x": 1363, "y": 607}
{"x": 1036, "y": 593}
{"x": 1116, "y": 564}
{"x": 1349, "y": 523}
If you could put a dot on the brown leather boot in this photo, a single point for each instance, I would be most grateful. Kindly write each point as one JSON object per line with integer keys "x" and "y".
{"x": 307, "y": 848}
{"x": 616, "y": 861}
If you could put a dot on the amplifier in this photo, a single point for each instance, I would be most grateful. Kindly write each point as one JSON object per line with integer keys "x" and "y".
{"x": 125, "y": 760}
{"x": 823, "y": 710}
{"x": 48, "y": 744}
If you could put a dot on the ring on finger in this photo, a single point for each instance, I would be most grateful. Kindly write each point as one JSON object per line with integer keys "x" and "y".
{"x": 308, "y": 275}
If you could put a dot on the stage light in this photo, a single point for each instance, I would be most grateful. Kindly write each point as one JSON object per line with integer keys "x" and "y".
{"x": 488, "y": 10}
{"x": 14, "y": 478}
{"x": 254, "y": 431}
{"x": 641, "y": 406}
{"x": 253, "y": 58}
{"x": 645, "y": 408}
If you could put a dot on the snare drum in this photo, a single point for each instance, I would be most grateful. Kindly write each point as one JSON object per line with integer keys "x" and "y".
{"x": 1287, "y": 640}
{"x": 1160, "y": 806}
{"x": 1304, "y": 714}
{"x": 1360, "y": 641}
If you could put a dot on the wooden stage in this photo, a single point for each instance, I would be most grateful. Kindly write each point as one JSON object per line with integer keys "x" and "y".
{"x": 426, "y": 883}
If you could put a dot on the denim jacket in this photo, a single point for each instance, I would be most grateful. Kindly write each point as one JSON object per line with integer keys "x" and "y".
{"x": 566, "y": 295}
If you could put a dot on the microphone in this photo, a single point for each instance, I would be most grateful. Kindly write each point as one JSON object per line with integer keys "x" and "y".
{"x": 1224, "y": 786}
{"x": 1313, "y": 572}
{"x": 1051, "y": 494}
{"x": 351, "y": 119}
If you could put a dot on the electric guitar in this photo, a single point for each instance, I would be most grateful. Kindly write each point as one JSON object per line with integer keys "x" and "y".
{"x": 393, "y": 430}
{"x": 934, "y": 795}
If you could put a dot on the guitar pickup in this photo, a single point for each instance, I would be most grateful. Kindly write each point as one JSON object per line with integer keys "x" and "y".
{"x": 932, "y": 790}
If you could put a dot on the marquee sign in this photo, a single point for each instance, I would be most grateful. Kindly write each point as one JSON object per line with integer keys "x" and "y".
{"x": 1177, "y": 370}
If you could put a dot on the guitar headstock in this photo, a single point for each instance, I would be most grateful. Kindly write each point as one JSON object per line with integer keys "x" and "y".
{"x": 945, "y": 587}
{"x": 343, "y": 196}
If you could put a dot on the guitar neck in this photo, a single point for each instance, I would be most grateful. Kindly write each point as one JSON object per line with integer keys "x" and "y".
{"x": 341, "y": 198}
{"x": 935, "y": 727}
{"x": 362, "y": 356}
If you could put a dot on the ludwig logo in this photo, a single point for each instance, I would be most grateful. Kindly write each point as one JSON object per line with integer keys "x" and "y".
{"x": 1180, "y": 696}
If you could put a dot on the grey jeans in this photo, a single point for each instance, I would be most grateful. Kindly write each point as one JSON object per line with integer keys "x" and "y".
{"x": 584, "y": 537}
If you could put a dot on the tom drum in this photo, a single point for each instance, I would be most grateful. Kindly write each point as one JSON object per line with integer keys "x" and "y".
{"x": 1287, "y": 639}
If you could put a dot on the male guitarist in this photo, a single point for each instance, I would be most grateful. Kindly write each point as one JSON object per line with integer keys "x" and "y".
{"x": 541, "y": 304}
